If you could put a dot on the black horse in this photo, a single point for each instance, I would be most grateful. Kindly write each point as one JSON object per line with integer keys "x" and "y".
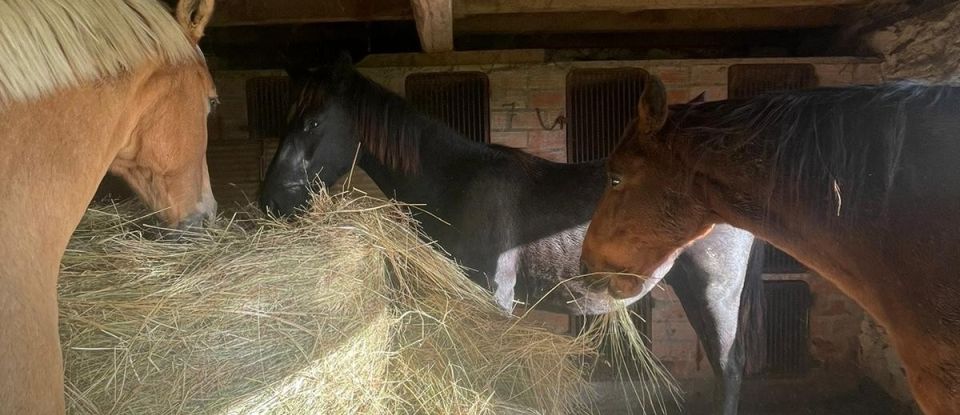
{"x": 516, "y": 220}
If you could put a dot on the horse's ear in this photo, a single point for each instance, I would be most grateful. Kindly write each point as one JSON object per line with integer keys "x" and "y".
{"x": 342, "y": 70}
{"x": 193, "y": 16}
{"x": 344, "y": 60}
{"x": 295, "y": 70}
{"x": 343, "y": 65}
{"x": 700, "y": 99}
{"x": 652, "y": 108}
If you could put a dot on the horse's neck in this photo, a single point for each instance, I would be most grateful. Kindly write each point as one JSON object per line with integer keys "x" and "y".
{"x": 441, "y": 153}
{"x": 856, "y": 258}
{"x": 56, "y": 150}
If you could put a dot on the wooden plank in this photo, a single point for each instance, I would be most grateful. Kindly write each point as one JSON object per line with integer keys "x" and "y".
{"x": 474, "y": 7}
{"x": 475, "y": 57}
{"x": 653, "y": 20}
{"x": 268, "y": 12}
{"x": 434, "y": 24}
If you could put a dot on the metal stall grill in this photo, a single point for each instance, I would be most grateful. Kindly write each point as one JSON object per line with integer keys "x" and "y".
{"x": 747, "y": 80}
{"x": 268, "y": 99}
{"x": 459, "y": 99}
{"x": 776, "y": 261}
{"x": 787, "y": 321}
{"x": 600, "y": 104}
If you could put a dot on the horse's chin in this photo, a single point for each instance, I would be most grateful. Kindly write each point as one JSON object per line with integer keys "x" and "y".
{"x": 591, "y": 303}
{"x": 577, "y": 299}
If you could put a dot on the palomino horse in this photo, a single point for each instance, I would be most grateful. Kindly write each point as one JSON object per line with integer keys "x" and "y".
{"x": 86, "y": 87}
{"x": 859, "y": 183}
{"x": 512, "y": 217}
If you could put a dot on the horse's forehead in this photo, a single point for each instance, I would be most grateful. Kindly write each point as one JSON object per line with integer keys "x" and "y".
{"x": 631, "y": 154}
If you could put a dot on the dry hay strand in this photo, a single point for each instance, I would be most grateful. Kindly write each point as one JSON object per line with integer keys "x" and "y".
{"x": 623, "y": 347}
{"x": 343, "y": 310}
{"x": 642, "y": 376}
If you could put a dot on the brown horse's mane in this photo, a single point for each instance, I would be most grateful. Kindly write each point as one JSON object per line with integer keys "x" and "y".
{"x": 829, "y": 145}
{"x": 47, "y": 45}
{"x": 388, "y": 126}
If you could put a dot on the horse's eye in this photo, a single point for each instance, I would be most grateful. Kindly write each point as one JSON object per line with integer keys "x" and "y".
{"x": 614, "y": 181}
{"x": 213, "y": 102}
{"x": 313, "y": 125}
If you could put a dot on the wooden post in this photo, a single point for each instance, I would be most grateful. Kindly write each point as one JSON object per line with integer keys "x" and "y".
{"x": 434, "y": 24}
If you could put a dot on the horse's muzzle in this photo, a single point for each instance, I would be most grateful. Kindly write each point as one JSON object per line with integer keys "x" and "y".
{"x": 617, "y": 285}
{"x": 198, "y": 219}
{"x": 625, "y": 286}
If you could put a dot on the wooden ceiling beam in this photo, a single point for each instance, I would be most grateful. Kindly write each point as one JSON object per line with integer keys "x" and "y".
{"x": 653, "y": 20}
{"x": 438, "y": 19}
{"x": 271, "y": 12}
{"x": 464, "y": 8}
{"x": 434, "y": 20}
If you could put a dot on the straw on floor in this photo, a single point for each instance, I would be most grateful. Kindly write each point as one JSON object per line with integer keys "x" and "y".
{"x": 344, "y": 310}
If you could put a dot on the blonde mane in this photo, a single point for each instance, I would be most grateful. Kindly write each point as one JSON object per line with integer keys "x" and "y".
{"x": 46, "y": 45}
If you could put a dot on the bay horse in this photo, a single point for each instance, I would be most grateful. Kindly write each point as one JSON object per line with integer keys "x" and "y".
{"x": 513, "y": 220}
{"x": 861, "y": 184}
{"x": 87, "y": 87}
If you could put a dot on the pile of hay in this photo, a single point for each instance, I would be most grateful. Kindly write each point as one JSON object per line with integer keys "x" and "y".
{"x": 344, "y": 310}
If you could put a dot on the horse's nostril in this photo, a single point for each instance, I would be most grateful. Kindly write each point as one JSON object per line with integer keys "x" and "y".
{"x": 625, "y": 286}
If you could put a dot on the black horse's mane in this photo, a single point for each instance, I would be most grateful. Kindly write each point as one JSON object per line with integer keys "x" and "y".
{"x": 387, "y": 125}
{"x": 829, "y": 141}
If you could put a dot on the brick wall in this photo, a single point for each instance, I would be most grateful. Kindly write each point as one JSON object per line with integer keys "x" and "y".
{"x": 519, "y": 90}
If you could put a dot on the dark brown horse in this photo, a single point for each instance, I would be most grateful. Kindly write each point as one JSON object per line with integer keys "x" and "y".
{"x": 861, "y": 184}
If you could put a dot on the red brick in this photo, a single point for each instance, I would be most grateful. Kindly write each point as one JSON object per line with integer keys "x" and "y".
{"x": 525, "y": 120}
{"x": 554, "y": 322}
{"x": 715, "y": 93}
{"x": 559, "y": 156}
{"x": 515, "y": 139}
{"x": 674, "y": 313}
{"x": 548, "y": 99}
{"x": 678, "y": 96}
{"x": 544, "y": 140}
{"x": 835, "y": 308}
{"x": 506, "y": 99}
{"x": 500, "y": 120}
{"x": 547, "y": 78}
{"x": 675, "y": 351}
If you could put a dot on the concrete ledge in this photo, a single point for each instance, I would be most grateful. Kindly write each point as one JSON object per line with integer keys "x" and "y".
{"x": 539, "y": 56}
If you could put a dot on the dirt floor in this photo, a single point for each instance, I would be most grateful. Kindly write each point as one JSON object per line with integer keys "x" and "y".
{"x": 767, "y": 397}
